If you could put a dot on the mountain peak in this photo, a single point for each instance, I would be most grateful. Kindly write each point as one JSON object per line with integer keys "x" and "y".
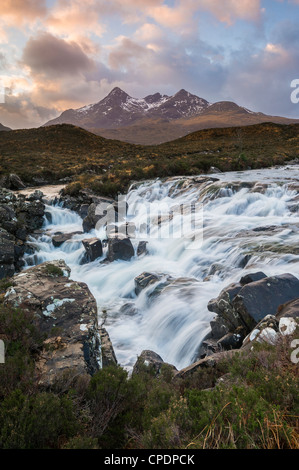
{"x": 117, "y": 92}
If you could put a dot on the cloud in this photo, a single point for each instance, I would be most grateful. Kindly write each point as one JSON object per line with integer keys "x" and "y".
{"x": 50, "y": 56}
{"x": 19, "y": 11}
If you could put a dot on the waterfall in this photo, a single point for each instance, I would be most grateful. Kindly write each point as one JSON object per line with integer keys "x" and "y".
{"x": 249, "y": 222}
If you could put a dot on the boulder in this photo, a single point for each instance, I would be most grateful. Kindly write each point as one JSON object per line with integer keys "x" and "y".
{"x": 66, "y": 312}
{"x": 261, "y": 298}
{"x": 120, "y": 248}
{"x": 144, "y": 280}
{"x": 100, "y": 208}
{"x": 142, "y": 248}
{"x": 150, "y": 362}
{"x": 242, "y": 307}
{"x": 59, "y": 238}
{"x": 93, "y": 249}
{"x": 252, "y": 277}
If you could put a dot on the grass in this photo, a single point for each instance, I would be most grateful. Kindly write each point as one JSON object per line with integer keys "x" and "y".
{"x": 109, "y": 166}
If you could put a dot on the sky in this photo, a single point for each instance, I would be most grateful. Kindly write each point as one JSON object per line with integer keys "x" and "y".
{"x": 61, "y": 54}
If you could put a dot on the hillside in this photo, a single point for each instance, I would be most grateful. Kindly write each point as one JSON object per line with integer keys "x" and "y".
{"x": 49, "y": 154}
{"x": 4, "y": 128}
{"x": 218, "y": 115}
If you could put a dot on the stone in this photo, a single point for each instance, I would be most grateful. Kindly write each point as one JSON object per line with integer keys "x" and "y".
{"x": 93, "y": 249}
{"x": 108, "y": 354}
{"x": 59, "y": 238}
{"x": 252, "y": 277}
{"x": 66, "y": 312}
{"x": 261, "y": 298}
{"x": 243, "y": 307}
{"x": 151, "y": 362}
{"x": 142, "y": 248}
{"x": 144, "y": 280}
{"x": 120, "y": 248}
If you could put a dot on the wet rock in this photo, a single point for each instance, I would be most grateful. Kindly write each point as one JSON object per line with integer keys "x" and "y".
{"x": 120, "y": 248}
{"x": 101, "y": 208}
{"x": 37, "y": 195}
{"x": 93, "y": 249}
{"x": 59, "y": 238}
{"x": 252, "y": 277}
{"x": 66, "y": 312}
{"x": 151, "y": 362}
{"x": 142, "y": 248}
{"x": 144, "y": 280}
{"x": 108, "y": 354}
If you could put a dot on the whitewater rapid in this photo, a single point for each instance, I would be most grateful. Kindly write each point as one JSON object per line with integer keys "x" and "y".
{"x": 249, "y": 223}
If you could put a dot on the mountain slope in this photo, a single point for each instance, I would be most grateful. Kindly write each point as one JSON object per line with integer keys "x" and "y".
{"x": 119, "y": 109}
{"x": 4, "y": 128}
{"x": 159, "y": 118}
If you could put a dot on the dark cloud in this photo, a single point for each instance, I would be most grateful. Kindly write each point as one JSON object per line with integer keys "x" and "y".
{"x": 48, "y": 55}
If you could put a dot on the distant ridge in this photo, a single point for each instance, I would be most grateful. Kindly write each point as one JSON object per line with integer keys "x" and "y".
{"x": 159, "y": 118}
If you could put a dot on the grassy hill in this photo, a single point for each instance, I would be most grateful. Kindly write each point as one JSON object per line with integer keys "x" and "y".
{"x": 55, "y": 152}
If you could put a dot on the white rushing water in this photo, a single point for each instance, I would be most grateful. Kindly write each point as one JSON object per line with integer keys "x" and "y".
{"x": 247, "y": 227}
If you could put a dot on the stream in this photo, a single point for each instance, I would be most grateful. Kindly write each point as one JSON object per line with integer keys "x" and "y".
{"x": 248, "y": 222}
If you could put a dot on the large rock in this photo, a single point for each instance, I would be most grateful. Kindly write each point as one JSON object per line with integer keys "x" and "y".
{"x": 242, "y": 307}
{"x": 93, "y": 250}
{"x": 151, "y": 362}
{"x": 66, "y": 312}
{"x": 59, "y": 238}
{"x": 100, "y": 208}
{"x": 108, "y": 354}
{"x": 144, "y": 280}
{"x": 120, "y": 248}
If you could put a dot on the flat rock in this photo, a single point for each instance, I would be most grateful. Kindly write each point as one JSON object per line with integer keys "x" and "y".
{"x": 66, "y": 312}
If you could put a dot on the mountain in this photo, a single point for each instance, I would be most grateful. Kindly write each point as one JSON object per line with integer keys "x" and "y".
{"x": 159, "y": 118}
{"x": 119, "y": 109}
{"x": 4, "y": 128}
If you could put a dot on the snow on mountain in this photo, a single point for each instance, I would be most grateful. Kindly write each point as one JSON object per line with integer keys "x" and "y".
{"x": 119, "y": 109}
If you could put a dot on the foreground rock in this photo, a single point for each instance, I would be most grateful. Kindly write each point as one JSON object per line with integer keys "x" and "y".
{"x": 93, "y": 250}
{"x": 19, "y": 217}
{"x": 208, "y": 362}
{"x": 66, "y": 312}
{"x": 152, "y": 363}
{"x": 244, "y": 306}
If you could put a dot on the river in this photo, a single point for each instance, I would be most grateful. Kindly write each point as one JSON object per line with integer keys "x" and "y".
{"x": 249, "y": 222}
